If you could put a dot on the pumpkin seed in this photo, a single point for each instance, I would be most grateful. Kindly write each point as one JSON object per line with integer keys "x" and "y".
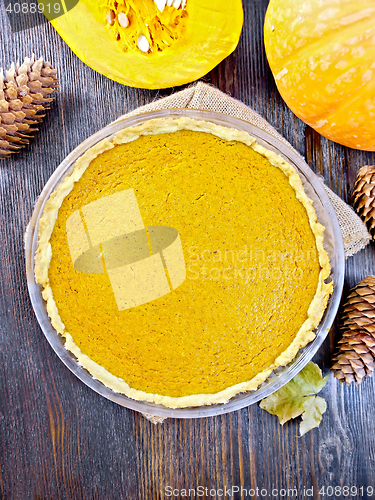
{"x": 143, "y": 44}
{"x": 160, "y": 4}
{"x": 110, "y": 17}
{"x": 123, "y": 20}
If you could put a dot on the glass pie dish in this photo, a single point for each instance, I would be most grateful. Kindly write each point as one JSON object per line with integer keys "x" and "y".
{"x": 332, "y": 242}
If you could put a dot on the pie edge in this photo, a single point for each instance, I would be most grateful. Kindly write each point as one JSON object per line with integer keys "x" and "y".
{"x": 44, "y": 254}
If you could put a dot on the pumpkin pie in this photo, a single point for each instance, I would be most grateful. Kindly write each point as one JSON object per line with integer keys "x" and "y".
{"x": 182, "y": 262}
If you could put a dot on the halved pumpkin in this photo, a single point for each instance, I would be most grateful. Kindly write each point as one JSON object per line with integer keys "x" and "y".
{"x": 152, "y": 44}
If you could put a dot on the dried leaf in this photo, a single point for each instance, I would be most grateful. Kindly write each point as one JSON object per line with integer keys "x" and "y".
{"x": 314, "y": 407}
{"x": 298, "y": 397}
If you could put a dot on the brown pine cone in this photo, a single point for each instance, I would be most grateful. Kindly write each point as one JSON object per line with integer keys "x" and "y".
{"x": 364, "y": 197}
{"x": 359, "y": 309}
{"x": 25, "y": 93}
{"x": 355, "y": 358}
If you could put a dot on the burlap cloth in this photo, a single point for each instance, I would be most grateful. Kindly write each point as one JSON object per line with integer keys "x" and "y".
{"x": 202, "y": 96}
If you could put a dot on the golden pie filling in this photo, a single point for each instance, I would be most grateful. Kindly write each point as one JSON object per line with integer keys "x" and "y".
{"x": 197, "y": 266}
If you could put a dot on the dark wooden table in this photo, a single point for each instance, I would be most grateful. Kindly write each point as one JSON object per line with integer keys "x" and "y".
{"x": 59, "y": 439}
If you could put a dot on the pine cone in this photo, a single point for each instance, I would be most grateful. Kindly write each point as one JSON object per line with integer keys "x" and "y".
{"x": 364, "y": 197}
{"x": 355, "y": 358}
{"x": 25, "y": 93}
{"x": 359, "y": 309}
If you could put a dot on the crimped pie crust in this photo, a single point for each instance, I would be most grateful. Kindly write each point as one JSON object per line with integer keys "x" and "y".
{"x": 44, "y": 255}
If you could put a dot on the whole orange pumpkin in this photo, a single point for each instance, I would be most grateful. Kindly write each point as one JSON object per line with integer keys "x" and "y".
{"x": 322, "y": 55}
